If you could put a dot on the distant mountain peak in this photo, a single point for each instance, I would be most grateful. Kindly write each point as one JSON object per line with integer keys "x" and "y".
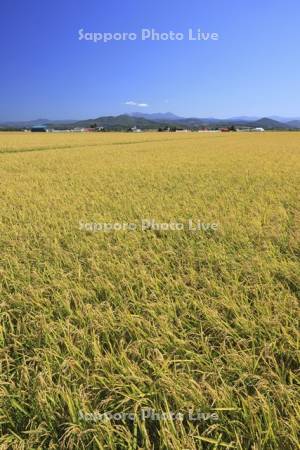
{"x": 156, "y": 116}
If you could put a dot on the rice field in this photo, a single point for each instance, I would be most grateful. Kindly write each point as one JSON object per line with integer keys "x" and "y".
{"x": 149, "y": 338}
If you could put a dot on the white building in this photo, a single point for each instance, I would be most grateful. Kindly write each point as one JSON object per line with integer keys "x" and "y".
{"x": 78, "y": 130}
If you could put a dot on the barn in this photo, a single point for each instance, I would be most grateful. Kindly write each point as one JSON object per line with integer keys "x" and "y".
{"x": 39, "y": 129}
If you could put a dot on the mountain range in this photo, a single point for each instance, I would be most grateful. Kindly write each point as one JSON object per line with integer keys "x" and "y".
{"x": 159, "y": 120}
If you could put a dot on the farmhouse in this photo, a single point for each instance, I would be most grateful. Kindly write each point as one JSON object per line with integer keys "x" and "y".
{"x": 78, "y": 130}
{"x": 247, "y": 129}
{"x": 135, "y": 130}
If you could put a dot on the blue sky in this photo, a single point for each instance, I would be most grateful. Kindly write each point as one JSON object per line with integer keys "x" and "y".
{"x": 47, "y": 72}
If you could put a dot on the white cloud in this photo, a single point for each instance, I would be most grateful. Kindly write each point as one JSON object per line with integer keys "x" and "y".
{"x": 141, "y": 105}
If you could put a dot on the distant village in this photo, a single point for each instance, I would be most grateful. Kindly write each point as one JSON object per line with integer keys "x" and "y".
{"x": 45, "y": 129}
